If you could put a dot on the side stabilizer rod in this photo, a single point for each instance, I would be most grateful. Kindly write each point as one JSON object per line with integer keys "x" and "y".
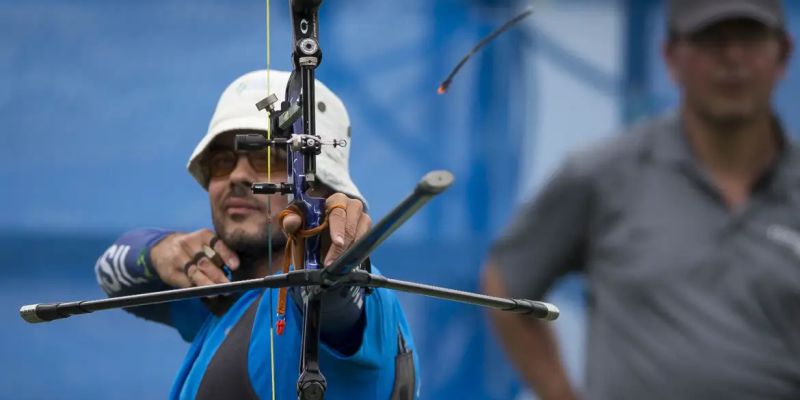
{"x": 45, "y": 312}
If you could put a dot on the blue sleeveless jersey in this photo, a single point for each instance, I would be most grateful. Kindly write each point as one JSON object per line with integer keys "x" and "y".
{"x": 368, "y": 374}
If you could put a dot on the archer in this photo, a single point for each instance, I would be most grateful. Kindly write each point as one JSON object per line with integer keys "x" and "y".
{"x": 367, "y": 348}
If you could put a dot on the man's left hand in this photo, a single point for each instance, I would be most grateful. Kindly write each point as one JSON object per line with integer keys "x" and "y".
{"x": 345, "y": 225}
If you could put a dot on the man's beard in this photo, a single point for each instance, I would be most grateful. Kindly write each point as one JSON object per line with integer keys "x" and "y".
{"x": 727, "y": 119}
{"x": 251, "y": 248}
{"x": 730, "y": 114}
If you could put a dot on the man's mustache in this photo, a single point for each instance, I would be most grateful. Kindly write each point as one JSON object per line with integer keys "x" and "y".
{"x": 243, "y": 192}
{"x": 732, "y": 75}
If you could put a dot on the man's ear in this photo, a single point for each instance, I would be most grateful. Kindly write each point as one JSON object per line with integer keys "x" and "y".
{"x": 786, "y": 43}
{"x": 787, "y": 48}
{"x": 668, "y": 52}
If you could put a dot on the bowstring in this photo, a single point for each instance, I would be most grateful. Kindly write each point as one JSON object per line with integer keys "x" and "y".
{"x": 269, "y": 224}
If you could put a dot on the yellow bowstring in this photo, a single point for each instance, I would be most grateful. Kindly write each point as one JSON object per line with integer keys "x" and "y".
{"x": 269, "y": 210}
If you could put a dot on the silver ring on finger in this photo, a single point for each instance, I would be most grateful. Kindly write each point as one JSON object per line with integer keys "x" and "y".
{"x": 212, "y": 255}
{"x": 197, "y": 256}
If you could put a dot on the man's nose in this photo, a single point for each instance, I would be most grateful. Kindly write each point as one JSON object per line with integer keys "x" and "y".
{"x": 242, "y": 171}
{"x": 733, "y": 50}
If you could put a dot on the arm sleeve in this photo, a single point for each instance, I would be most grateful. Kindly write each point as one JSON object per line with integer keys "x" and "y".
{"x": 548, "y": 235}
{"x": 125, "y": 268}
{"x": 342, "y": 319}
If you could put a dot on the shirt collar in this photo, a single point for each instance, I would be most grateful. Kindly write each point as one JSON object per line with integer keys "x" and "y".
{"x": 670, "y": 144}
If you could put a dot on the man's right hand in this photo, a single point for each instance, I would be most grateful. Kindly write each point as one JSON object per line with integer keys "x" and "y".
{"x": 173, "y": 259}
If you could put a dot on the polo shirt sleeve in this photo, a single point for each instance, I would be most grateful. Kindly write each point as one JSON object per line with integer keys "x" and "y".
{"x": 547, "y": 237}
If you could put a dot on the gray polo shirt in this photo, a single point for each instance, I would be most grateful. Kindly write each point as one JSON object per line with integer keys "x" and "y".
{"x": 688, "y": 299}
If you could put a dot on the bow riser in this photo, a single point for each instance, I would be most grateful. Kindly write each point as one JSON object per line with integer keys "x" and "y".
{"x": 307, "y": 56}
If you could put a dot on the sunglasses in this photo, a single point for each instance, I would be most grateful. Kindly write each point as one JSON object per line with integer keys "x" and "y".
{"x": 221, "y": 162}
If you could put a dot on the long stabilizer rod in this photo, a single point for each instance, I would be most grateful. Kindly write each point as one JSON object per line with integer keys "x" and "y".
{"x": 430, "y": 185}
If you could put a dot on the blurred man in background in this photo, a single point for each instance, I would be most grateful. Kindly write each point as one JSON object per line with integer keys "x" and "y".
{"x": 687, "y": 229}
{"x": 367, "y": 349}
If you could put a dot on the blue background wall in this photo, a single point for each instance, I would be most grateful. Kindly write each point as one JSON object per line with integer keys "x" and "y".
{"x": 102, "y": 103}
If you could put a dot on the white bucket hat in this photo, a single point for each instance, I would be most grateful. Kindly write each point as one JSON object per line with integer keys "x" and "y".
{"x": 236, "y": 110}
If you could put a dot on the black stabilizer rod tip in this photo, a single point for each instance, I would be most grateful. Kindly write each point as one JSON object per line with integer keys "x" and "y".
{"x": 35, "y": 313}
{"x": 539, "y": 309}
{"x": 552, "y": 312}
{"x": 435, "y": 182}
{"x": 28, "y": 313}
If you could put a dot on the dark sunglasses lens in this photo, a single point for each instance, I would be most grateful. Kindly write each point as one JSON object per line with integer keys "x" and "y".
{"x": 258, "y": 160}
{"x": 221, "y": 163}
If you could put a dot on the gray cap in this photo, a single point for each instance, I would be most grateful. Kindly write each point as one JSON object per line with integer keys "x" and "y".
{"x": 689, "y": 16}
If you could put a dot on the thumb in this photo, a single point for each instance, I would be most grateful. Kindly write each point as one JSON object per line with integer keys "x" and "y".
{"x": 291, "y": 223}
